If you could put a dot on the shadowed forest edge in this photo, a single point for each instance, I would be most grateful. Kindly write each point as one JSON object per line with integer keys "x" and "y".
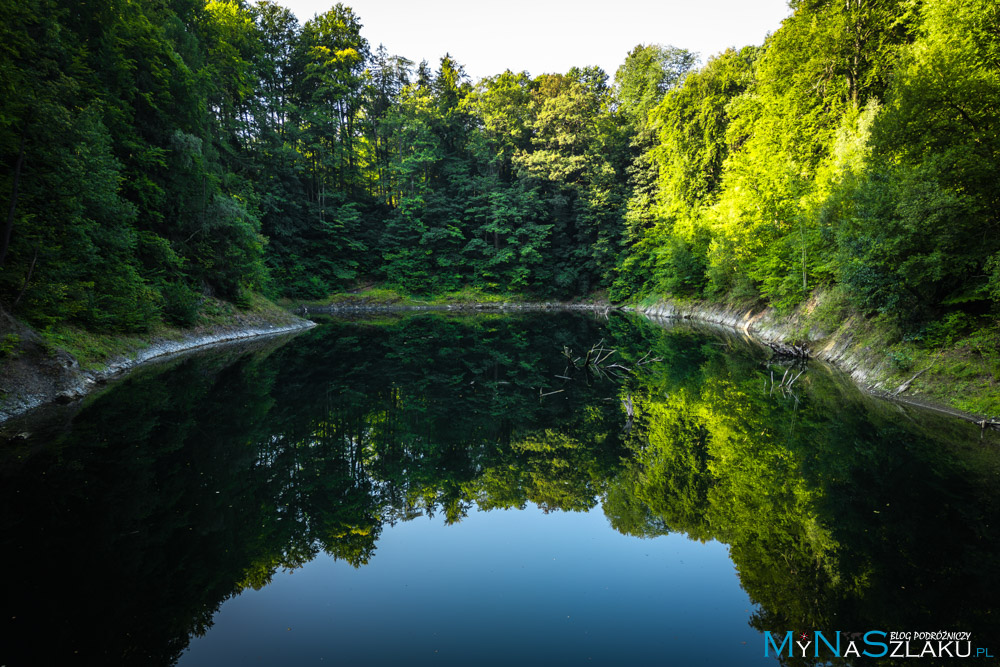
{"x": 162, "y": 160}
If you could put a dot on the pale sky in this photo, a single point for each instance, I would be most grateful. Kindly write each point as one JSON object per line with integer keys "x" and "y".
{"x": 552, "y": 35}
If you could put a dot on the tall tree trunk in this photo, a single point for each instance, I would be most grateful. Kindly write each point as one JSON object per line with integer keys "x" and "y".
{"x": 27, "y": 279}
{"x": 13, "y": 200}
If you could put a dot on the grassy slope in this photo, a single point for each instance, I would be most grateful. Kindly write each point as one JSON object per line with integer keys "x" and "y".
{"x": 93, "y": 350}
{"x": 38, "y": 367}
{"x": 957, "y": 366}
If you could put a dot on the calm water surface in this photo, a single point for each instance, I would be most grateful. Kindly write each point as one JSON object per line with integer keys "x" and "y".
{"x": 469, "y": 490}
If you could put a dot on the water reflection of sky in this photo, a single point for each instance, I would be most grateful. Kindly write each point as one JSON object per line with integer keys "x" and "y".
{"x": 499, "y": 588}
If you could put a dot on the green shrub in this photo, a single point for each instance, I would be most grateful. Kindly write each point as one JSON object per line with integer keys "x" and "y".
{"x": 949, "y": 329}
{"x": 181, "y": 304}
{"x": 901, "y": 360}
{"x": 9, "y": 346}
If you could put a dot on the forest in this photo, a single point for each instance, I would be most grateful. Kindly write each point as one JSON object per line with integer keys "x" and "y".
{"x": 158, "y": 153}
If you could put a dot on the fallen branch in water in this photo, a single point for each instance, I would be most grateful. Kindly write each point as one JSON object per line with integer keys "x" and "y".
{"x": 786, "y": 382}
{"x": 788, "y": 350}
{"x": 629, "y": 413}
{"x": 647, "y": 360}
{"x": 596, "y": 360}
{"x": 992, "y": 422}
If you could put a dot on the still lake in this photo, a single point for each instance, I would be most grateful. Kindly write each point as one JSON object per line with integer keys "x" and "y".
{"x": 534, "y": 489}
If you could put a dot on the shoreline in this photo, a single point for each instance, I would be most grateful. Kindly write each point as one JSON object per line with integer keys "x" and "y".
{"x": 64, "y": 381}
{"x": 505, "y": 306}
{"x": 57, "y": 377}
{"x": 762, "y": 325}
{"x": 864, "y": 366}
{"x": 837, "y": 348}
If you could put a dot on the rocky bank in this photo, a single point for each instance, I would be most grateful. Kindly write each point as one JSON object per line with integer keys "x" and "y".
{"x": 34, "y": 373}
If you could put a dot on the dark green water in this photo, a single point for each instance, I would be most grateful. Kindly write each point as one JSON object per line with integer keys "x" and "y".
{"x": 427, "y": 490}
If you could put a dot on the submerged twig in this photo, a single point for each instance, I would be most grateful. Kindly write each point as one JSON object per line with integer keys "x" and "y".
{"x": 596, "y": 361}
{"x": 785, "y": 384}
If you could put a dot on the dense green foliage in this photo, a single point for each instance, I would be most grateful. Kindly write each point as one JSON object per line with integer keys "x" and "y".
{"x": 156, "y": 152}
{"x": 858, "y": 148}
{"x": 119, "y": 132}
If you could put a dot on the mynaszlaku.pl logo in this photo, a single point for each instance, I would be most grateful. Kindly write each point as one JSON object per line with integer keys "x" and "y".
{"x": 873, "y": 644}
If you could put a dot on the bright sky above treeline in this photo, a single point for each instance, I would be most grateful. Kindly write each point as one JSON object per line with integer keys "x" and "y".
{"x": 551, "y": 36}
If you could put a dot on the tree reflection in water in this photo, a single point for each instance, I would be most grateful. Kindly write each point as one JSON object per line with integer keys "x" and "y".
{"x": 127, "y": 526}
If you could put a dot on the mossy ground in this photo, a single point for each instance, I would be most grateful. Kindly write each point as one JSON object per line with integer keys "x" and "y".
{"x": 91, "y": 349}
{"x": 957, "y": 366}
{"x": 965, "y": 374}
{"x": 94, "y": 349}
